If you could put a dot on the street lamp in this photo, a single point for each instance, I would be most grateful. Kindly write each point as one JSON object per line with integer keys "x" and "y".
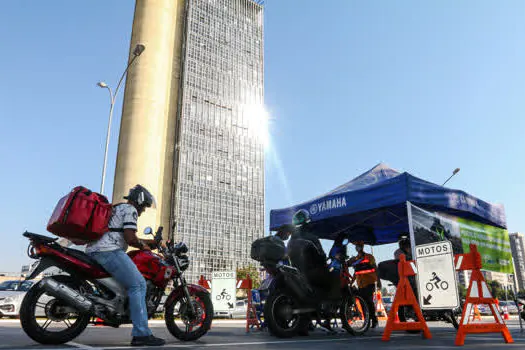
{"x": 139, "y": 49}
{"x": 451, "y": 176}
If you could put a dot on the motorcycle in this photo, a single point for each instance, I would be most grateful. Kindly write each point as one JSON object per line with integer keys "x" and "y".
{"x": 292, "y": 302}
{"x": 88, "y": 294}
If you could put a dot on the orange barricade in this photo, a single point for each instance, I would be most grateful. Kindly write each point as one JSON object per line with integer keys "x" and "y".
{"x": 251, "y": 316}
{"x": 405, "y": 297}
{"x": 478, "y": 293}
{"x": 204, "y": 283}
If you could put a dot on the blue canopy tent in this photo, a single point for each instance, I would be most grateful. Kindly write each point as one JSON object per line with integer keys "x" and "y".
{"x": 376, "y": 201}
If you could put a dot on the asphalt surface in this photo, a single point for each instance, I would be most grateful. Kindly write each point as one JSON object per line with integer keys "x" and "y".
{"x": 232, "y": 335}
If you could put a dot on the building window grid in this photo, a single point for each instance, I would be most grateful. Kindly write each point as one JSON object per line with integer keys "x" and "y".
{"x": 236, "y": 207}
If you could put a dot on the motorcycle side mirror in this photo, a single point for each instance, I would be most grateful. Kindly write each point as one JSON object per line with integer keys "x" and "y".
{"x": 148, "y": 231}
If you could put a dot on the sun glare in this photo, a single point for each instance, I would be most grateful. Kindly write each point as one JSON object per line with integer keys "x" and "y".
{"x": 257, "y": 117}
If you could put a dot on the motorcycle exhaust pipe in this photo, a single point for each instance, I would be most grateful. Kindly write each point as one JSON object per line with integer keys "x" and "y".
{"x": 69, "y": 295}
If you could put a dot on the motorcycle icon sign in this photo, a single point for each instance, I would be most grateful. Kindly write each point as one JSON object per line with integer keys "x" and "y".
{"x": 436, "y": 282}
{"x": 223, "y": 296}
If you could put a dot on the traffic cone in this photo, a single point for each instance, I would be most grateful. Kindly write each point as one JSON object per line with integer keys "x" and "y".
{"x": 506, "y": 314}
{"x": 380, "y": 308}
{"x": 476, "y": 315}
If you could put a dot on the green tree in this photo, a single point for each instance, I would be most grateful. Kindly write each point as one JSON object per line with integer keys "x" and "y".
{"x": 496, "y": 289}
{"x": 253, "y": 271}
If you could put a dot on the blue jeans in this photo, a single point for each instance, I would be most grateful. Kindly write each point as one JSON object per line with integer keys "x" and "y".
{"x": 122, "y": 268}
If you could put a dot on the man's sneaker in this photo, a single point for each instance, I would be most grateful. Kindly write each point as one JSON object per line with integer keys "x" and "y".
{"x": 149, "y": 340}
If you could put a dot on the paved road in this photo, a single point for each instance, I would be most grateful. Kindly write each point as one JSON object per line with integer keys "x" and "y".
{"x": 231, "y": 335}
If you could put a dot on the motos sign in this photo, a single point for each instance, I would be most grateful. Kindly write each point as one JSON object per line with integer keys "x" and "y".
{"x": 434, "y": 249}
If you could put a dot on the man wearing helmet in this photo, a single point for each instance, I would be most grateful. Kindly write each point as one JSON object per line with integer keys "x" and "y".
{"x": 404, "y": 248}
{"x": 110, "y": 252}
{"x": 365, "y": 268}
{"x": 306, "y": 253}
{"x": 304, "y": 248}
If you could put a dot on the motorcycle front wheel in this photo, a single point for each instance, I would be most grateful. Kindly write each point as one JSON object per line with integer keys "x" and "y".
{"x": 184, "y": 325}
{"x": 355, "y": 316}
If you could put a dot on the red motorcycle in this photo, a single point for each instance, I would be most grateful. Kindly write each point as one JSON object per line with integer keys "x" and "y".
{"x": 79, "y": 292}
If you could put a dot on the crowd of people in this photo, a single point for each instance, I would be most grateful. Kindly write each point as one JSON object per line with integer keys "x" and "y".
{"x": 313, "y": 262}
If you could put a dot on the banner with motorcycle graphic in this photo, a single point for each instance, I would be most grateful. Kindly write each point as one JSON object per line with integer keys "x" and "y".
{"x": 493, "y": 242}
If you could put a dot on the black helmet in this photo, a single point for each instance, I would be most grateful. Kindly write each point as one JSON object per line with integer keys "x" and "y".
{"x": 404, "y": 241}
{"x": 285, "y": 231}
{"x": 300, "y": 218}
{"x": 141, "y": 197}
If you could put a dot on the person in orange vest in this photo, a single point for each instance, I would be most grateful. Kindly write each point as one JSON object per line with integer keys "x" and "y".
{"x": 365, "y": 268}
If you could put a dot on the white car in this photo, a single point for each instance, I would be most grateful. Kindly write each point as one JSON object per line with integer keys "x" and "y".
{"x": 510, "y": 305}
{"x": 222, "y": 314}
{"x": 240, "y": 309}
{"x": 11, "y": 295}
{"x": 387, "y": 303}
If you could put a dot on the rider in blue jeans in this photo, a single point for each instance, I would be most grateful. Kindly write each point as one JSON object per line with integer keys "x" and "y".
{"x": 110, "y": 252}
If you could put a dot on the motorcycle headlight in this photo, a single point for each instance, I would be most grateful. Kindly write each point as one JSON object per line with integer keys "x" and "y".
{"x": 184, "y": 262}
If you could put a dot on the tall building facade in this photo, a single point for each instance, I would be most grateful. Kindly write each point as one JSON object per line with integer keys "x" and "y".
{"x": 193, "y": 126}
{"x": 517, "y": 245}
{"x": 219, "y": 183}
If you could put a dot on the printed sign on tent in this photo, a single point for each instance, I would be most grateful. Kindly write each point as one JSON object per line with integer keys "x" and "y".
{"x": 223, "y": 290}
{"x": 493, "y": 242}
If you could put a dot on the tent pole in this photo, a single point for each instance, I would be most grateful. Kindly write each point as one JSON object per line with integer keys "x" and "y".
{"x": 411, "y": 230}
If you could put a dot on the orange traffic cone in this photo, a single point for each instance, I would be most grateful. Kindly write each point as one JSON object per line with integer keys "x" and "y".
{"x": 380, "y": 308}
{"x": 505, "y": 313}
{"x": 476, "y": 314}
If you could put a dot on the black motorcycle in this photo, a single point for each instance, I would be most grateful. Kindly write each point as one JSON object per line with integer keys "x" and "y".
{"x": 293, "y": 302}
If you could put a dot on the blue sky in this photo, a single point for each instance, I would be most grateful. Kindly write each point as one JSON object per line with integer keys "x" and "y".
{"x": 423, "y": 86}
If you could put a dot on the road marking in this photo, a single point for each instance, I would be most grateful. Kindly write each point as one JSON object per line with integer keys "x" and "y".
{"x": 82, "y": 346}
{"x": 254, "y": 343}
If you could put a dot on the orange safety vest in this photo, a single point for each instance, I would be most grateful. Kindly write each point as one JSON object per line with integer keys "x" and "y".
{"x": 365, "y": 272}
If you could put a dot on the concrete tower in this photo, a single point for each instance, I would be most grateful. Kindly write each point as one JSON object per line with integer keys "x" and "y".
{"x": 147, "y": 130}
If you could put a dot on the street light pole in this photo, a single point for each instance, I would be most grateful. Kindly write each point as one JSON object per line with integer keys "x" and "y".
{"x": 139, "y": 49}
{"x": 451, "y": 176}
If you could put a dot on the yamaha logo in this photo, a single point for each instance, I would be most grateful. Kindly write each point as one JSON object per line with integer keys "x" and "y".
{"x": 329, "y": 204}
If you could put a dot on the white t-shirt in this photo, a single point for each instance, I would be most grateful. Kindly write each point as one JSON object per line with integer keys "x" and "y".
{"x": 124, "y": 217}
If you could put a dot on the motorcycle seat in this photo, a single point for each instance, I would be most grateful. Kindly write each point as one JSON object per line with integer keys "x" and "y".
{"x": 39, "y": 238}
{"x": 80, "y": 255}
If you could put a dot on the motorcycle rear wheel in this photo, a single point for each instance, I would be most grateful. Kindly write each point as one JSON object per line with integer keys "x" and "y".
{"x": 194, "y": 327}
{"x": 279, "y": 318}
{"x": 40, "y": 333}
